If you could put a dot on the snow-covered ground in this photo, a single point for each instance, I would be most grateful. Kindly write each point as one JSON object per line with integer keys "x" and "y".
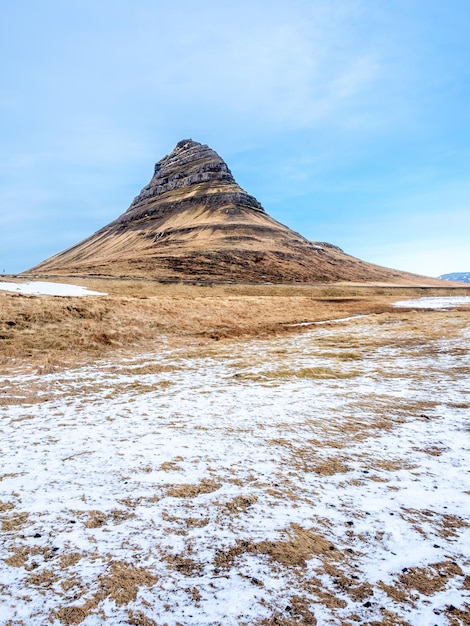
{"x": 38, "y": 288}
{"x": 317, "y": 479}
{"x": 434, "y": 302}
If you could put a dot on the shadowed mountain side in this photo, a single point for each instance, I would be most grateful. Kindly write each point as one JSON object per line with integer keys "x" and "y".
{"x": 194, "y": 222}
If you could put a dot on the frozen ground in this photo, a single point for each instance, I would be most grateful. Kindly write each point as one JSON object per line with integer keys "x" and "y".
{"x": 38, "y": 288}
{"x": 316, "y": 479}
{"x": 434, "y": 302}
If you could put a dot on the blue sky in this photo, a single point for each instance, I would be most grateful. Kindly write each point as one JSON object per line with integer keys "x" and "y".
{"x": 349, "y": 120}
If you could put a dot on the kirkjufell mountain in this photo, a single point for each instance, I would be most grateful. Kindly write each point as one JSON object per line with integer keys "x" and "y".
{"x": 194, "y": 222}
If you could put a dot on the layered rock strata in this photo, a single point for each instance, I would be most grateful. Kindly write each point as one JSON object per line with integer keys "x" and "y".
{"x": 194, "y": 222}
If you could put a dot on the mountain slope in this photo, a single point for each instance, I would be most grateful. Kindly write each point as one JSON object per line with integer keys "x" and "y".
{"x": 194, "y": 222}
{"x": 462, "y": 277}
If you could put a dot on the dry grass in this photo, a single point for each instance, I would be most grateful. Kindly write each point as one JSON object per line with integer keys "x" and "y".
{"x": 48, "y": 332}
{"x": 319, "y": 555}
{"x": 206, "y": 485}
{"x": 120, "y": 584}
{"x": 295, "y": 550}
{"x": 14, "y": 522}
{"x": 428, "y": 580}
{"x": 305, "y": 372}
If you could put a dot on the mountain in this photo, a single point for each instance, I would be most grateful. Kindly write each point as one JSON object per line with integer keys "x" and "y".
{"x": 194, "y": 222}
{"x": 461, "y": 277}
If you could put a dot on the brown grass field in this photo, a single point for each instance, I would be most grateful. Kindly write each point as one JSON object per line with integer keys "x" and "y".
{"x": 50, "y": 331}
{"x": 215, "y": 441}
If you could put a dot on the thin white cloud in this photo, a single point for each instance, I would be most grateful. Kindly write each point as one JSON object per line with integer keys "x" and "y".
{"x": 308, "y": 98}
{"x": 294, "y": 71}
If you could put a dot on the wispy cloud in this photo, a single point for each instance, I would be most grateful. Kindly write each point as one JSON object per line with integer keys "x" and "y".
{"x": 326, "y": 101}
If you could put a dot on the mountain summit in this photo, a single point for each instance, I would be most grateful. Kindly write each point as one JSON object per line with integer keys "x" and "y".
{"x": 194, "y": 222}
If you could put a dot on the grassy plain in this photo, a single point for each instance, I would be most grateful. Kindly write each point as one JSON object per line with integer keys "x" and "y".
{"x": 306, "y": 475}
{"x": 50, "y": 331}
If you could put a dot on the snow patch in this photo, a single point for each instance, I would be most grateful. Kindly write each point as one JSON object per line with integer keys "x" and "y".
{"x": 436, "y": 302}
{"x": 38, "y": 288}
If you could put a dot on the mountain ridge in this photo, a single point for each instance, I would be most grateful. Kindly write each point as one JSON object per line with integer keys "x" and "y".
{"x": 193, "y": 221}
{"x": 462, "y": 277}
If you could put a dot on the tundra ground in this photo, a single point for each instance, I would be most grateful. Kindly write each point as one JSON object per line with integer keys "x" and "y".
{"x": 315, "y": 477}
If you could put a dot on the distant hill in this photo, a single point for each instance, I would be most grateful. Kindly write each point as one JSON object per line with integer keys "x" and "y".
{"x": 193, "y": 222}
{"x": 461, "y": 277}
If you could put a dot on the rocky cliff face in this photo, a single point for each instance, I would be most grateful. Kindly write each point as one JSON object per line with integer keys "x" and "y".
{"x": 191, "y": 172}
{"x": 194, "y": 222}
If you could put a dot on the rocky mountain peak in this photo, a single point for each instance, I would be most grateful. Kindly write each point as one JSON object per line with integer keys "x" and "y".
{"x": 190, "y": 170}
{"x": 194, "y": 222}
